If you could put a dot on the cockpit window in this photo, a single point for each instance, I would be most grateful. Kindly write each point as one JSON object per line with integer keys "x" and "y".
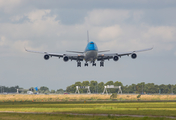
{"x": 91, "y": 43}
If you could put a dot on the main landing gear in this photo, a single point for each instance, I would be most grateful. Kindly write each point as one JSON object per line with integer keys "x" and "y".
{"x": 101, "y": 64}
{"x": 86, "y": 64}
{"x": 93, "y": 64}
{"x": 78, "y": 64}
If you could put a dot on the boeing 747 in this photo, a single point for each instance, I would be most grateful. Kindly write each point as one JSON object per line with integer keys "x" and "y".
{"x": 90, "y": 54}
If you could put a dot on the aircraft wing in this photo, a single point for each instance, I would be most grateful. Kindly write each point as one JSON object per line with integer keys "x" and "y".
{"x": 46, "y": 53}
{"x": 79, "y": 57}
{"x": 108, "y": 56}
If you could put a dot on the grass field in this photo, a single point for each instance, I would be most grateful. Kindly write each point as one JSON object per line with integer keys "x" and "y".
{"x": 78, "y": 97}
{"x": 138, "y": 108}
{"x": 58, "y": 107}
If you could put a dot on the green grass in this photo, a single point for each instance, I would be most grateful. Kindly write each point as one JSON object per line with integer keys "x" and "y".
{"x": 133, "y": 108}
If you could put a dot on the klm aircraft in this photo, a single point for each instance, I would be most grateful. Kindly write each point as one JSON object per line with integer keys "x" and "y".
{"x": 91, "y": 54}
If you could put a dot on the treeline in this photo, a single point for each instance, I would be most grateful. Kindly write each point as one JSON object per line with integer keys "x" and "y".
{"x": 9, "y": 89}
{"x": 46, "y": 90}
{"x": 43, "y": 89}
{"x": 140, "y": 88}
{"x": 95, "y": 87}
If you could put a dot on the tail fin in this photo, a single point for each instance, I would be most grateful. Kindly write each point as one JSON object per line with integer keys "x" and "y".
{"x": 87, "y": 36}
{"x": 36, "y": 88}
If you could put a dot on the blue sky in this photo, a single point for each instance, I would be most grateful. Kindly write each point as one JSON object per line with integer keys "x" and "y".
{"x": 57, "y": 26}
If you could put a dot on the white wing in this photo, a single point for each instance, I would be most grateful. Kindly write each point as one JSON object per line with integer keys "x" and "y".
{"x": 79, "y": 57}
{"x": 111, "y": 55}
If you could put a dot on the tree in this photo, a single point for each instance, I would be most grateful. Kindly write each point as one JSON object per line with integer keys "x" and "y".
{"x": 140, "y": 87}
{"x": 43, "y": 89}
{"x": 131, "y": 88}
{"x": 70, "y": 89}
{"x": 52, "y": 91}
{"x": 93, "y": 86}
{"x": 100, "y": 87}
{"x": 125, "y": 89}
{"x": 85, "y": 83}
{"x": 174, "y": 88}
{"x": 60, "y": 91}
{"x": 117, "y": 83}
{"x": 163, "y": 88}
{"x": 13, "y": 89}
{"x": 151, "y": 88}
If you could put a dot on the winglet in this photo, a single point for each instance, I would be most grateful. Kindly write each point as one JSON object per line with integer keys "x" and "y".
{"x": 152, "y": 46}
{"x": 25, "y": 48}
{"x": 87, "y": 36}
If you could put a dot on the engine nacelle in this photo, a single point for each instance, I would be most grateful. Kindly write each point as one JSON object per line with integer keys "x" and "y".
{"x": 134, "y": 56}
{"x": 115, "y": 58}
{"x": 65, "y": 59}
{"x": 46, "y": 57}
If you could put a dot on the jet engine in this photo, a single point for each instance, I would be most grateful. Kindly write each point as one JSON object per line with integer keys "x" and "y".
{"x": 65, "y": 59}
{"x": 115, "y": 58}
{"x": 134, "y": 56}
{"x": 46, "y": 57}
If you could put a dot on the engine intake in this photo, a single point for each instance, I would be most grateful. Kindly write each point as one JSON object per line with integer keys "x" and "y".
{"x": 134, "y": 56}
{"x": 46, "y": 57}
{"x": 115, "y": 58}
{"x": 65, "y": 59}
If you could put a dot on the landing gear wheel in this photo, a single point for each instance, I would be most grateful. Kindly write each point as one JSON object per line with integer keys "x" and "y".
{"x": 86, "y": 64}
{"x": 94, "y": 64}
{"x": 78, "y": 64}
{"x": 102, "y": 64}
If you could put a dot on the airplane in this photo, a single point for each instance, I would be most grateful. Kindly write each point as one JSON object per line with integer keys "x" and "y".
{"x": 90, "y": 54}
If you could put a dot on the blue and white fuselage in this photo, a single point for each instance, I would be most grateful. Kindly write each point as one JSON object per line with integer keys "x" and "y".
{"x": 91, "y": 52}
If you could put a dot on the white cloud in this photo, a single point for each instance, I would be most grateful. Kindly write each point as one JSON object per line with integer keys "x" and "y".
{"x": 164, "y": 33}
{"x": 109, "y": 33}
{"x": 3, "y": 41}
{"x": 106, "y": 16}
{"x": 139, "y": 37}
{"x": 9, "y": 5}
{"x": 38, "y": 15}
{"x": 43, "y": 31}
{"x": 137, "y": 15}
{"x": 16, "y": 18}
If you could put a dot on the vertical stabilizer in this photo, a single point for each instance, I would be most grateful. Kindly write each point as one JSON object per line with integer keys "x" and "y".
{"x": 87, "y": 36}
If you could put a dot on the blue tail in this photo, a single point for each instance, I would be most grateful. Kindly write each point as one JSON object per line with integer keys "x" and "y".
{"x": 36, "y": 88}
